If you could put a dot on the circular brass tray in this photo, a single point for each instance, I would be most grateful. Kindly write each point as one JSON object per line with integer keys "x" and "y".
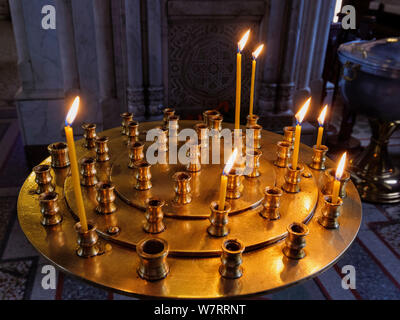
{"x": 194, "y": 255}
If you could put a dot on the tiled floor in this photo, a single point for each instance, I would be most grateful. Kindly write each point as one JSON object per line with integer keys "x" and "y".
{"x": 375, "y": 254}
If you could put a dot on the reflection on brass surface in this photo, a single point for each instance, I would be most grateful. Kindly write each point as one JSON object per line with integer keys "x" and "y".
{"x": 182, "y": 187}
{"x": 271, "y": 203}
{"x": 251, "y": 120}
{"x": 219, "y": 220}
{"x": 295, "y": 241}
{"x": 288, "y": 135}
{"x": 87, "y": 241}
{"x": 330, "y": 213}
{"x": 154, "y": 216}
{"x": 328, "y": 180}
{"x": 319, "y": 157}
{"x": 49, "y": 209}
{"x": 89, "y": 135}
{"x": 105, "y": 198}
{"x": 231, "y": 259}
{"x": 59, "y": 154}
{"x": 88, "y": 171}
{"x": 292, "y": 179}
{"x": 43, "y": 178}
{"x": 153, "y": 254}
{"x": 207, "y": 114}
{"x": 253, "y": 159}
{"x": 102, "y": 149}
{"x": 126, "y": 118}
{"x": 142, "y": 175}
{"x": 283, "y": 154}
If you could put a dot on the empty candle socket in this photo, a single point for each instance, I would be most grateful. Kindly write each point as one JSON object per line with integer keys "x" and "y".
{"x": 105, "y": 198}
{"x": 87, "y": 241}
{"x": 88, "y": 171}
{"x": 132, "y": 132}
{"x": 48, "y": 202}
{"x": 202, "y": 134}
{"x": 135, "y": 153}
{"x": 154, "y": 216}
{"x": 153, "y": 254}
{"x": 292, "y": 179}
{"x": 43, "y": 178}
{"x": 295, "y": 241}
{"x": 207, "y": 114}
{"x": 215, "y": 124}
{"x": 231, "y": 259}
{"x": 162, "y": 139}
{"x": 289, "y": 135}
{"x": 168, "y": 112}
{"x": 319, "y": 157}
{"x": 234, "y": 185}
{"x": 142, "y": 175}
{"x": 219, "y": 220}
{"x": 328, "y": 181}
{"x": 253, "y": 163}
{"x": 253, "y": 136}
{"x": 283, "y": 154}
{"x": 89, "y": 134}
{"x": 271, "y": 203}
{"x": 173, "y": 125}
{"x": 194, "y": 164}
{"x": 182, "y": 187}
{"x": 59, "y": 154}
{"x": 252, "y": 120}
{"x": 329, "y": 218}
{"x": 126, "y": 118}
{"x": 102, "y": 149}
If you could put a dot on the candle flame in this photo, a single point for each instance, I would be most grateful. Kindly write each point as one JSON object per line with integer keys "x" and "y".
{"x": 243, "y": 41}
{"x": 72, "y": 112}
{"x": 230, "y": 162}
{"x": 340, "y": 167}
{"x": 322, "y": 115}
{"x": 302, "y": 112}
{"x": 257, "y": 52}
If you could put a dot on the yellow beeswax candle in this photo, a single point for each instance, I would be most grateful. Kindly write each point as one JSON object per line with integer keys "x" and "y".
{"x": 338, "y": 176}
{"x": 74, "y": 163}
{"x": 321, "y": 120}
{"x": 224, "y": 179}
{"x": 299, "y": 119}
{"x": 253, "y": 76}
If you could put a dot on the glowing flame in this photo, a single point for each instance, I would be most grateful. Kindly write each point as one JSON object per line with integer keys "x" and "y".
{"x": 257, "y": 52}
{"x": 230, "y": 162}
{"x": 322, "y": 115}
{"x": 72, "y": 112}
{"x": 302, "y": 112}
{"x": 340, "y": 167}
{"x": 243, "y": 41}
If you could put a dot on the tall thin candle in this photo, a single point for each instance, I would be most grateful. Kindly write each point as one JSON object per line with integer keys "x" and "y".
{"x": 253, "y": 76}
{"x": 299, "y": 119}
{"x": 338, "y": 176}
{"x": 321, "y": 120}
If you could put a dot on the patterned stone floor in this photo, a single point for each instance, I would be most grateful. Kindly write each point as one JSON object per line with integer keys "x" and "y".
{"x": 375, "y": 254}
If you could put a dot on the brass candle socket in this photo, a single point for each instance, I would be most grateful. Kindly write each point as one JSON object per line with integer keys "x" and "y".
{"x": 328, "y": 181}
{"x": 154, "y": 216}
{"x": 233, "y": 189}
{"x": 59, "y": 154}
{"x": 194, "y": 155}
{"x": 105, "y": 198}
{"x": 48, "y": 202}
{"x": 319, "y": 157}
{"x": 153, "y": 254}
{"x": 162, "y": 139}
{"x": 89, "y": 134}
{"x": 173, "y": 125}
{"x": 132, "y": 132}
{"x": 253, "y": 163}
{"x": 231, "y": 259}
{"x": 182, "y": 187}
{"x": 126, "y": 118}
{"x": 202, "y": 134}
{"x": 143, "y": 175}
{"x": 215, "y": 124}
{"x": 253, "y": 136}
{"x": 219, "y": 220}
{"x": 88, "y": 171}
{"x": 43, "y": 178}
{"x": 283, "y": 153}
{"x": 252, "y": 120}
{"x": 207, "y": 114}
{"x": 271, "y": 203}
{"x": 289, "y": 135}
{"x": 295, "y": 241}
{"x": 292, "y": 178}
{"x": 135, "y": 153}
{"x": 330, "y": 213}
{"x": 102, "y": 149}
{"x": 239, "y": 141}
{"x": 87, "y": 241}
{"x": 168, "y": 112}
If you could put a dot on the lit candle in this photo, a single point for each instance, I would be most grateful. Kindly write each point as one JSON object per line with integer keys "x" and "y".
{"x": 299, "y": 119}
{"x": 321, "y": 120}
{"x": 253, "y": 76}
{"x": 336, "y": 182}
{"x": 224, "y": 179}
{"x": 74, "y": 163}
{"x": 241, "y": 45}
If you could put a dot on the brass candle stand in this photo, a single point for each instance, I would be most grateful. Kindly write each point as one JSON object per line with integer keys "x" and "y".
{"x": 89, "y": 135}
{"x": 328, "y": 181}
{"x": 202, "y": 134}
{"x": 215, "y": 124}
{"x": 59, "y": 154}
{"x": 143, "y": 175}
{"x": 283, "y": 154}
{"x": 87, "y": 241}
{"x": 253, "y": 163}
{"x": 88, "y": 171}
{"x": 126, "y": 118}
{"x": 105, "y": 198}
{"x": 154, "y": 216}
{"x": 173, "y": 125}
{"x": 231, "y": 259}
{"x": 319, "y": 157}
{"x": 295, "y": 241}
{"x": 50, "y": 209}
{"x": 329, "y": 218}
{"x": 194, "y": 164}
{"x": 135, "y": 153}
{"x": 206, "y": 116}
{"x": 168, "y": 112}
{"x": 101, "y": 146}
{"x": 252, "y": 120}
{"x": 292, "y": 178}
{"x": 219, "y": 220}
{"x": 271, "y": 203}
{"x": 182, "y": 188}
{"x": 234, "y": 186}
{"x": 132, "y": 132}
{"x": 253, "y": 136}
{"x": 289, "y": 135}
{"x": 43, "y": 178}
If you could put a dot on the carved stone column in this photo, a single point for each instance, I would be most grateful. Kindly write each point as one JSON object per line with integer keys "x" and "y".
{"x": 135, "y": 95}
